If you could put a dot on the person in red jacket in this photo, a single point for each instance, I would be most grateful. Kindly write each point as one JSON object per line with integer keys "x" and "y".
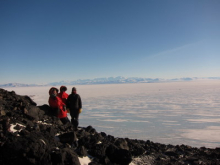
{"x": 57, "y": 106}
{"x": 63, "y": 95}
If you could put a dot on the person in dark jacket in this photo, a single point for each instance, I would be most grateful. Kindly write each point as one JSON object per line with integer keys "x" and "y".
{"x": 57, "y": 106}
{"x": 74, "y": 104}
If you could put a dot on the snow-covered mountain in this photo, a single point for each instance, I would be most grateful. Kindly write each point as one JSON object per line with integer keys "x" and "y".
{"x": 122, "y": 80}
{"x": 17, "y": 85}
{"x": 109, "y": 80}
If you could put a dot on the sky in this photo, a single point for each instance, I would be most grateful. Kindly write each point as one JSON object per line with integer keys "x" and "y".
{"x": 44, "y": 41}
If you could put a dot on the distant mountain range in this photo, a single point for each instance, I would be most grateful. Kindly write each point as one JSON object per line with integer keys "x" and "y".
{"x": 109, "y": 80}
{"x": 17, "y": 85}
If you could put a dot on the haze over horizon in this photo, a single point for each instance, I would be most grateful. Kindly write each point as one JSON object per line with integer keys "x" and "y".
{"x": 111, "y": 80}
{"x": 49, "y": 41}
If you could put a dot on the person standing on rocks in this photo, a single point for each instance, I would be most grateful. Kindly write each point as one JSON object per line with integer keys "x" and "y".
{"x": 57, "y": 106}
{"x": 74, "y": 104}
{"x": 63, "y": 95}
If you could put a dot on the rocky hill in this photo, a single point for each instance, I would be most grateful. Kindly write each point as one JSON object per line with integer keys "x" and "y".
{"x": 29, "y": 134}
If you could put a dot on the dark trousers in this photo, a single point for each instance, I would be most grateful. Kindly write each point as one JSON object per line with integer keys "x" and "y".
{"x": 74, "y": 117}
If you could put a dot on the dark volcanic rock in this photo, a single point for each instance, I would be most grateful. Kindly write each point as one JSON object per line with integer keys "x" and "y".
{"x": 116, "y": 155}
{"x": 135, "y": 147}
{"x": 41, "y": 138}
{"x": 82, "y": 151}
{"x": 29, "y": 149}
{"x": 69, "y": 137}
{"x": 98, "y": 150}
{"x": 65, "y": 156}
{"x": 35, "y": 112}
{"x": 122, "y": 143}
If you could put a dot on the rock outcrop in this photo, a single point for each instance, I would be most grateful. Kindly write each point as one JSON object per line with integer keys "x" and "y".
{"x": 30, "y": 134}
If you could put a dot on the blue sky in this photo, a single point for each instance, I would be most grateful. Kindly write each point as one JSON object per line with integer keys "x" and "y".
{"x": 52, "y": 40}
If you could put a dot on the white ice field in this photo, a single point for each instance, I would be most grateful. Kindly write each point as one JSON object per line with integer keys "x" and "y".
{"x": 170, "y": 113}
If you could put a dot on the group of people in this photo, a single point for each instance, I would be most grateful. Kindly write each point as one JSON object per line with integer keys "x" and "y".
{"x": 61, "y": 103}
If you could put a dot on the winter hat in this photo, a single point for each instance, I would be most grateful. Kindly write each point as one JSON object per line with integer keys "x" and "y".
{"x": 74, "y": 89}
{"x": 63, "y": 88}
{"x": 52, "y": 89}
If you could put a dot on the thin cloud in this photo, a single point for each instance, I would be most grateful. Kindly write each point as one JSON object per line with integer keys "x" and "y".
{"x": 170, "y": 52}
